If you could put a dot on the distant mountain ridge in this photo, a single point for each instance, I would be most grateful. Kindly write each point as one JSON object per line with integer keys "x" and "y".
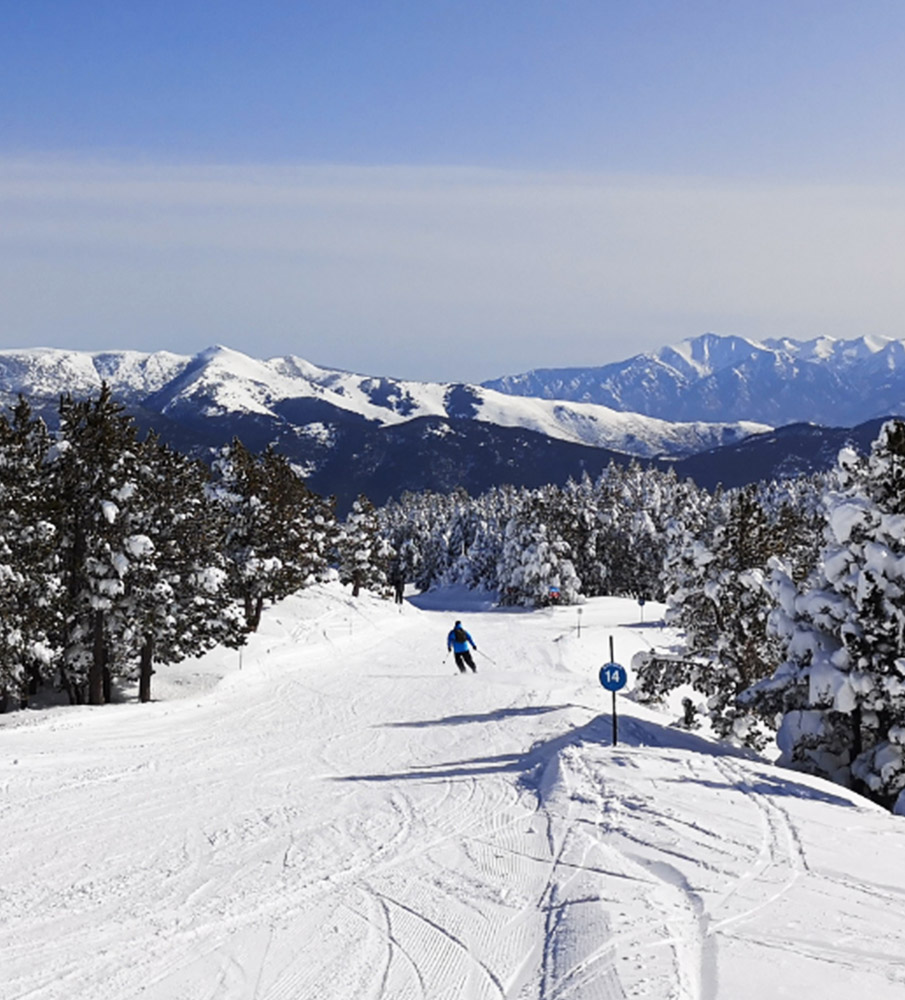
{"x": 716, "y": 378}
{"x": 789, "y": 451}
{"x": 295, "y": 396}
{"x": 349, "y": 433}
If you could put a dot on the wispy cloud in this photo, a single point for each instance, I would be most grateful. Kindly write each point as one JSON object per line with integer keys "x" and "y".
{"x": 430, "y": 272}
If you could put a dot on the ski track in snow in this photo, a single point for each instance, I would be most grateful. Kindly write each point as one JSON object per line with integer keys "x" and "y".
{"x": 347, "y": 817}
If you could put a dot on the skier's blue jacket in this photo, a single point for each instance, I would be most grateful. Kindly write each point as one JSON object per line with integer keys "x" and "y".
{"x": 456, "y": 646}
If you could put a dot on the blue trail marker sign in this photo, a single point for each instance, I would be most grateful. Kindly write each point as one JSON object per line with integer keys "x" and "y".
{"x": 613, "y": 677}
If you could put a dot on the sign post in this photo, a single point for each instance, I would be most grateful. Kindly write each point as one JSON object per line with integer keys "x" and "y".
{"x": 579, "y": 623}
{"x": 613, "y": 677}
{"x": 641, "y": 603}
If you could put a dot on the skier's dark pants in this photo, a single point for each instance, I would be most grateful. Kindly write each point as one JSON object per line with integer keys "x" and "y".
{"x": 462, "y": 659}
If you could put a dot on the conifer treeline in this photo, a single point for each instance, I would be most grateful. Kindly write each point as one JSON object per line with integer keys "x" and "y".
{"x": 788, "y": 598}
{"x": 793, "y": 618}
{"x": 118, "y": 554}
{"x": 585, "y": 539}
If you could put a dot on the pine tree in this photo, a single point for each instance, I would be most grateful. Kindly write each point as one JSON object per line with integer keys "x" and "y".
{"x": 581, "y": 526}
{"x": 535, "y": 561}
{"x": 718, "y": 597}
{"x": 95, "y": 474}
{"x": 181, "y": 604}
{"x": 29, "y": 582}
{"x": 279, "y": 532}
{"x": 364, "y": 554}
{"x": 841, "y": 686}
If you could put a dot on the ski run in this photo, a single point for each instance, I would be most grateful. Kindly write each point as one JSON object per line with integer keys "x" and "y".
{"x": 337, "y": 814}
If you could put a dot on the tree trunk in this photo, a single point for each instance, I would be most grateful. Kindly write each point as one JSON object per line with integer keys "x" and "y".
{"x": 857, "y": 735}
{"x": 96, "y": 670}
{"x": 253, "y": 609}
{"x": 67, "y": 686}
{"x": 146, "y": 670}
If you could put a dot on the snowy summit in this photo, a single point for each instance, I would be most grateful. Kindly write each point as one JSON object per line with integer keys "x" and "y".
{"x": 220, "y": 381}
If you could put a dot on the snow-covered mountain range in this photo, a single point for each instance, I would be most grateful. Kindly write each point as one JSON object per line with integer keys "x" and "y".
{"x": 289, "y": 391}
{"x": 350, "y": 433}
{"x": 715, "y": 378}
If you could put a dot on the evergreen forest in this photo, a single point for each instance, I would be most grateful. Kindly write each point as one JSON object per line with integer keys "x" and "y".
{"x": 785, "y": 601}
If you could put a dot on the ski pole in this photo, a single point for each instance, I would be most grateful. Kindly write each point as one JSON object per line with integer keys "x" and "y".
{"x": 492, "y": 660}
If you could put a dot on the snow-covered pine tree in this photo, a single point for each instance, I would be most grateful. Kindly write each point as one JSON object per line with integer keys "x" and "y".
{"x": 399, "y": 524}
{"x": 364, "y": 554}
{"x": 608, "y": 576}
{"x": 841, "y": 685}
{"x": 306, "y": 523}
{"x": 181, "y": 604}
{"x": 94, "y": 475}
{"x": 278, "y": 531}
{"x": 534, "y": 560}
{"x": 29, "y": 581}
{"x": 436, "y": 553}
{"x": 461, "y": 534}
{"x": 614, "y": 530}
{"x": 717, "y": 596}
{"x": 629, "y": 530}
{"x": 417, "y": 528}
{"x": 581, "y": 527}
{"x": 636, "y": 506}
{"x": 796, "y": 508}
{"x": 479, "y": 570}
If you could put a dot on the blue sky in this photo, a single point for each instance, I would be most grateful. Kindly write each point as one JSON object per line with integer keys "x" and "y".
{"x": 449, "y": 190}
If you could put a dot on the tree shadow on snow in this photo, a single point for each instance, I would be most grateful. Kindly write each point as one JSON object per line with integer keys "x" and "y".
{"x": 462, "y": 601}
{"x": 640, "y": 733}
{"x": 461, "y": 720}
{"x": 632, "y": 732}
{"x": 772, "y": 785}
{"x": 529, "y": 764}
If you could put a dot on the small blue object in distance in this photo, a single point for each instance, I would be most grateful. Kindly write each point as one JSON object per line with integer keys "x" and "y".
{"x": 613, "y": 676}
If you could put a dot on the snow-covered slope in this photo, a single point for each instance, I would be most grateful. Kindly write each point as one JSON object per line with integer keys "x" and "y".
{"x": 222, "y": 382}
{"x": 714, "y": 378}
{"x": 50, "y": 371}
{"x": 344, "y": 816}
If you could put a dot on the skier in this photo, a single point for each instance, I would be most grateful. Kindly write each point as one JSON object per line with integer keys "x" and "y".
{"x": 457, "y": 641}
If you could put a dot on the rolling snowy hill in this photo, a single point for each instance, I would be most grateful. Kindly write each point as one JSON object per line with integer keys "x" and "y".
{"x": 344, "y": 816}
{"x": 349, "y": 433}
{"x": 282, "y": 392}
{"x": 794, "y": 450}
{"x": 714, "y": 378}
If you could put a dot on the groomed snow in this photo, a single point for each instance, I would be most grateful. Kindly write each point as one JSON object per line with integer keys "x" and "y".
{"x": 346, "y": 817}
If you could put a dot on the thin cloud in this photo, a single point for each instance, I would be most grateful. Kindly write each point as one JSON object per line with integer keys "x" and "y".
{"x": 430, "y": 272}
